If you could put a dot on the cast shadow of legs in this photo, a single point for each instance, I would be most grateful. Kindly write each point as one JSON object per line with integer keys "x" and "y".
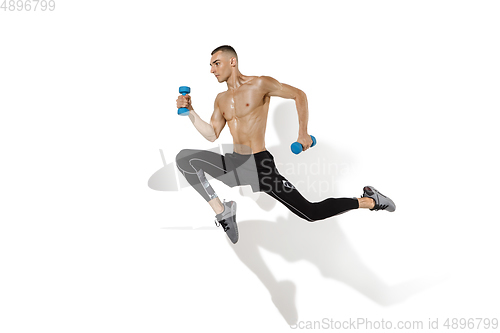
{"x": 321, "y": 243}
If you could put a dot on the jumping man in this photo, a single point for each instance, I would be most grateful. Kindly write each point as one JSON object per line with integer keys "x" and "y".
{"x": 244, "y": 107}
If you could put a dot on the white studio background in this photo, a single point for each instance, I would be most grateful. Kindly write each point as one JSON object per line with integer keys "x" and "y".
{"x": 404, "y": 93}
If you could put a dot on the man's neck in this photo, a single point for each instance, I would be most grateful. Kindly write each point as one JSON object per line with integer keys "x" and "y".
{"x": 235, "y": 80}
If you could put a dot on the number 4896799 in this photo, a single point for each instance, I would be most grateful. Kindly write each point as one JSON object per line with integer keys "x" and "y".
{"x": 28, "y": 5}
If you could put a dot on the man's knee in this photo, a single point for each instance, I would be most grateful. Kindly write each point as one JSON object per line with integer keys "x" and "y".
{"x": 183, "y": 155}
{"x": 309, "y": 212}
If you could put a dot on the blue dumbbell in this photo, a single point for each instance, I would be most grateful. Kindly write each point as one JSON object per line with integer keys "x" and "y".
{"x": 183, "y": 111}
{"x": 297, "y": 147}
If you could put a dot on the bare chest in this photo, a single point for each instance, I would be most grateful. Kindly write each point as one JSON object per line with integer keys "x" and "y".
{"x": 240, "y": 103}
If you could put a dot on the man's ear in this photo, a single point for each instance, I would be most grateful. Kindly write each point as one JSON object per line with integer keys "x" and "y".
{"x": 233, "y": 61}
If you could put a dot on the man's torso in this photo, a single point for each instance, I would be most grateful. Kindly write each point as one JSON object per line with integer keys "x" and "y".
{"x": 245, "y": 110}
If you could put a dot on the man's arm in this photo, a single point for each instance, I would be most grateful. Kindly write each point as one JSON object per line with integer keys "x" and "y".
{"x": 203, "y": 127}
{"x": 209, "y": 131}
{"x": 275, "y": 88}
{"x": 217, "y": 121}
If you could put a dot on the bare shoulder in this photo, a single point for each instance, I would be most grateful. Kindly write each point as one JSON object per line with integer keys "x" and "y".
{"x": 267, "y": 83}
{"x": 272, "y": 87}
{"x": 218, "y": 99}
{"x": 265, "y": 80}
{"x": 219, "y": 96}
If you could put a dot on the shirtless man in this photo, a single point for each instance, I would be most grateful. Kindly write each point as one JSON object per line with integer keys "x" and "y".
{"x": 244, "y": 108}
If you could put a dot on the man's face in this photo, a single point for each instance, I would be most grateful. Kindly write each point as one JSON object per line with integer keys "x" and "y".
{"x": 220, "y": 66}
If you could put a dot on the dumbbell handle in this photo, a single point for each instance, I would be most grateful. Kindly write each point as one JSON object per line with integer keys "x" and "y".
{"x": 297, "y": 148}
{"x": 183, "y": 111}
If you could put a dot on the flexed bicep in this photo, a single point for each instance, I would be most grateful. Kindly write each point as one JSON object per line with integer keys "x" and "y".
{"x": 217, "y": 121}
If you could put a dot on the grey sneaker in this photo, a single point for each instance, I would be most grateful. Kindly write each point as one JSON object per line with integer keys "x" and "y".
{"x": 227, "y": 219}
{"x": 381, "y": 201}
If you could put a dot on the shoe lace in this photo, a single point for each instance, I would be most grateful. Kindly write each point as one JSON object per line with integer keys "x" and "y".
{"x": 380, "y": 207}
{"x": 377, "y": 206}
{"x": 222, "y": 223}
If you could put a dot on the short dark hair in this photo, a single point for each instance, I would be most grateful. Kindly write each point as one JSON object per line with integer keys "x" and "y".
{"x": 226, "y": 48}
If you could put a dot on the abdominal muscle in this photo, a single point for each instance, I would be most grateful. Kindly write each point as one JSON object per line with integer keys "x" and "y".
{"x": 249, "y": 132}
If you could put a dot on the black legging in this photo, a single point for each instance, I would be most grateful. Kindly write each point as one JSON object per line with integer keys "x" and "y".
{"x": 259, "y": 171}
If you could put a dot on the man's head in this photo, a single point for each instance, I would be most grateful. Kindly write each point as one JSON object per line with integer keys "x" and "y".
{"x": 224, "y": 60}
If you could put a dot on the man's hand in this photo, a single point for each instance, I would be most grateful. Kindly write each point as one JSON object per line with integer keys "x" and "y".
{"x": 184, "y": 102}
{"x": 305, "y": 140}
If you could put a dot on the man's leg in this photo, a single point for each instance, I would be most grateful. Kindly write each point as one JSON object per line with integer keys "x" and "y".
{"x": 216, "y": 205}
{"x": 193, "y": 164}
{"x": 282, "y": 190}
{"x": 366, "y": 203}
